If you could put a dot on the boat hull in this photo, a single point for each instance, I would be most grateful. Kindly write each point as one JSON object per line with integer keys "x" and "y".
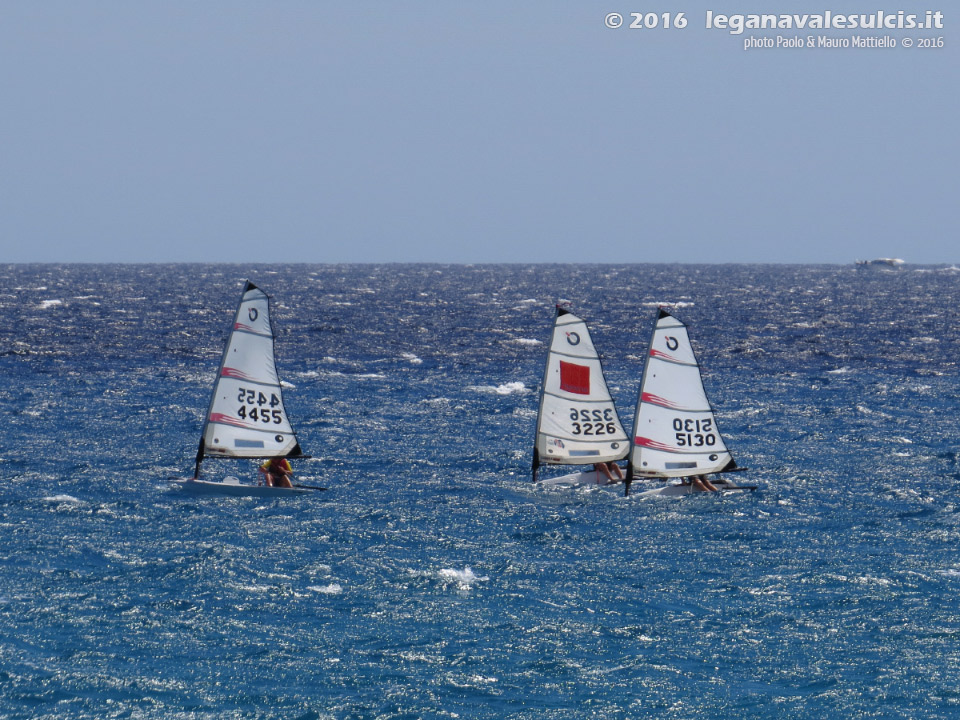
{"x": 679, "y": 490}
{"x": 593, "y": 478}
{"x": 232, "y": 486}
{"x": 588, "y": 477}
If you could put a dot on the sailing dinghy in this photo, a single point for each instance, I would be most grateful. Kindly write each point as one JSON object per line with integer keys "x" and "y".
{"x": 675, "y": 433}
{"x": 577, "y": 422}
{"x": 246, "y": 417}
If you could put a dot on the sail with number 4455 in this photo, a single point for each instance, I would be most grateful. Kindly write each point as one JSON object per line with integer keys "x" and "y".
{"x": 246, "y": 417}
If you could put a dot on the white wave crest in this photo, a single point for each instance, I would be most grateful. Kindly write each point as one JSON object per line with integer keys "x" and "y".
{"x": 464, "y": 579}
{"x": 331, "y": 589}
{"x": 678, "y": 304}
{"x": 47, "y": 304}
{"x": 436, "y": 401}
{"x": 528, "y": 341}
{"x": 413, "y": 359}
{"x": 62, "y": 499}
{"x": 863, "y": 409}
{"x": 510, "y": 388}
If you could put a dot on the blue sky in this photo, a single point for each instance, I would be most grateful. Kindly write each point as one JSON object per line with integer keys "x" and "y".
{"x": 312, "y": 131}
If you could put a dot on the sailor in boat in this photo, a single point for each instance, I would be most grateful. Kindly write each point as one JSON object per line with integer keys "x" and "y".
{"x": 610, "y": 470}
{"x": 700, "y": 482}
{"x": 277, "y": 472}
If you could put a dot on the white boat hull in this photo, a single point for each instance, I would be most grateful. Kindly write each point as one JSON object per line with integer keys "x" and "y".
{"x": 588, "y": 477}
{"x": 232, "y": 486}
{"x": 679, "y": 489}
{"x": 593, "y": 478}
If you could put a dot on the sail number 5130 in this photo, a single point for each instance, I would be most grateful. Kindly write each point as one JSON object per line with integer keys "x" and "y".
{"x": 592, "y": 422}
{"x": 694, "y": 433}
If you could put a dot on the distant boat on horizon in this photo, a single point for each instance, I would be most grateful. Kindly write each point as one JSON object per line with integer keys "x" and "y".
{"x": 885, "y": 264}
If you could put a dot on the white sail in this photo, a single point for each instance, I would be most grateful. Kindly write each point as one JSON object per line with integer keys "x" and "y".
{"x": 246, "y": 417}
{"x": 674, "y": 430}
{"x": 577, "y": 423}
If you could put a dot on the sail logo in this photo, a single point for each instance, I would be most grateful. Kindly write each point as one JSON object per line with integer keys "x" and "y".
{"x": 672, "y": 342}
{"x": 574, "y": 378}
{"x": 573, "y": 338}
{"x": 253, "y": 314}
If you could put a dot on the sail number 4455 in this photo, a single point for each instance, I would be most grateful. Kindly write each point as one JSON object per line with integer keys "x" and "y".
{"x": 694, "y": 433}
{"x": 592, "y": 422}
{"x": 260, "y": 407}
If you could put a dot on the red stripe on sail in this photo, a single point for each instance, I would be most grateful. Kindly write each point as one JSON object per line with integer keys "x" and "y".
{"x": 234, "y": 373}
{"x": 227, "y": 420}
{"x": 653, "y": 444}
{"x": 657, "y": 400}
{"x": 663, "y": 355}
{"x": 574, "y": 378}
{"x": 241, "y": 326}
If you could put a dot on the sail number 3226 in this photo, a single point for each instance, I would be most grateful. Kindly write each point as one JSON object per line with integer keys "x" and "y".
{"x": 592, "y": 422}
{"x": 256, "y": 407}
{"x": 694, "y": 433}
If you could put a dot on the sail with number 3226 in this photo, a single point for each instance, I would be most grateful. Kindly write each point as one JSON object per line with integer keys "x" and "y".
{"x": 577, "y": 422}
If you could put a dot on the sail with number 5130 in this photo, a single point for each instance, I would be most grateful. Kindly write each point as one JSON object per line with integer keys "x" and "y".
{"x": 675, "y": 432}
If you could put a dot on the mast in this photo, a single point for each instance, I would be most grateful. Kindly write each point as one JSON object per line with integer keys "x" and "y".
{"x": 196, "y": 470}
{"x": 543, "y": 384}
{"x": 223, "y": 358}
{"x": 636, "y": 415}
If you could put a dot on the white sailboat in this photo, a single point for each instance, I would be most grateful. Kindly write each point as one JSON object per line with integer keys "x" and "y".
{"x": 675, "y": 433}
{"x": 577, "y": 422}
{"x": 246, "y": 417}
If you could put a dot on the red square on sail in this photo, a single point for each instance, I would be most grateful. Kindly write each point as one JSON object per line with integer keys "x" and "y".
{"x": 575, "y": 378}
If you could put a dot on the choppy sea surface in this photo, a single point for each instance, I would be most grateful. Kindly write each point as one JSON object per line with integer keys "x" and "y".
{"x": 432, "y": 579}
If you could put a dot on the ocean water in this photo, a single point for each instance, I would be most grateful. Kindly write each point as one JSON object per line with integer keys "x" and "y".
{"x": 432, "y": 579}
